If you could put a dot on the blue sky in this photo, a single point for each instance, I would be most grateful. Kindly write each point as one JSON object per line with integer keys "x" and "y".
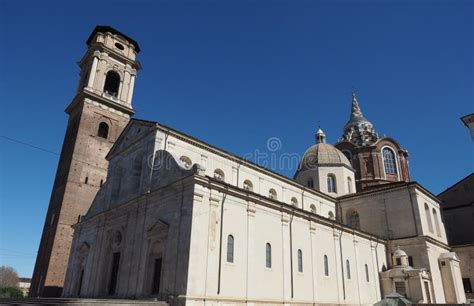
{"x": 235, "y": 73}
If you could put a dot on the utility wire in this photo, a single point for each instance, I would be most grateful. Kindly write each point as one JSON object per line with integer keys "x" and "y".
{"x": 45, "y": 150}
{"x": 29, "y": 145}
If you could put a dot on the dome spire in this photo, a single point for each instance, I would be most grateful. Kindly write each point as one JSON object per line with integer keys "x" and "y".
{"x": 358, "y": 129}
{"x": 320, "y": 136}
{"x": 356, "y": 113}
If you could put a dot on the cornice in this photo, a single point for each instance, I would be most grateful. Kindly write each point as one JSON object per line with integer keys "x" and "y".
{"x": 94, "y": 48}
{"x": 282, "y": 207}
{"x": 198, "y": 143}
{"x": 82, "y": 95}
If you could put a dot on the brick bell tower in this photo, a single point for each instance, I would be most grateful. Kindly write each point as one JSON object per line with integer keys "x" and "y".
{"x": 98, "y": 113}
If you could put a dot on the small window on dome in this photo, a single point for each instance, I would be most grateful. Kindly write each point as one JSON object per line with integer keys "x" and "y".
{"x": 310, "y": 183}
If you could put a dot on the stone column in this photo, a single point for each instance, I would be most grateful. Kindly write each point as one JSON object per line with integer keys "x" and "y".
{"x": 92, "y": 73}
{"x": 130, "y": 89}
{"x": 124, "y": 89}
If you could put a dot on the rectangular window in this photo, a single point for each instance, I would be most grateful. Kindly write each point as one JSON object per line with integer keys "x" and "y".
{"x": 427, "y": 291}
{"x": 114, "y": 273}
{"x": 467, "y": 285}
{"x": 81, "y": 277}
{"x": 230, "y": 248}
{"x": 410, "y": 261}
{"x": 268, "y": 255}
{"x": 300, "y": 261}
{"x": 157, "y": 276}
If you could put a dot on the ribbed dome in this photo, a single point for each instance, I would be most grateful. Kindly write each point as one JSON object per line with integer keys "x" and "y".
{"x": 323, "y": 154}
{"x": 399, "y": 253}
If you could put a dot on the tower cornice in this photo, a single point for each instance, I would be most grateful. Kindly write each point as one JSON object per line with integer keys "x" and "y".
{"x": 101, "y": 52}
{"x": 86, "y": 94}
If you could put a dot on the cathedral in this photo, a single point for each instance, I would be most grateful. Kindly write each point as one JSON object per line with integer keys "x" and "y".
{"x": 140, "y": 210}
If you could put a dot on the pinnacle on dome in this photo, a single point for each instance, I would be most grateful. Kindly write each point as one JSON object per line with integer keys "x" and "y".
{"x": 356, "y": 114}
{"x": 358, "y": 130}
{"x": 320, "y": 136}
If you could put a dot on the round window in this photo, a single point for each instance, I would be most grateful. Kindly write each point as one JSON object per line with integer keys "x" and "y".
{"x": 119, "y": 46}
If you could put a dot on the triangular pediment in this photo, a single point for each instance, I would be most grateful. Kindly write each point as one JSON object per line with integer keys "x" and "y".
{"x": 135, "y": 129}
{"x": 159, "y": 227}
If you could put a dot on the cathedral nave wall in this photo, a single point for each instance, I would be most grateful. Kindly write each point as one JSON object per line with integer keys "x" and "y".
{"x": 247, "y": 279}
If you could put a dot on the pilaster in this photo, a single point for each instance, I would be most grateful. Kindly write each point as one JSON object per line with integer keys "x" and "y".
{"x": 286, "y": 261}
{"x": 251, "y": 264}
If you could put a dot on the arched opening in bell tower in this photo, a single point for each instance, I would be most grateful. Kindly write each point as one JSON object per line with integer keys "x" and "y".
{"x": 112, "y": 83}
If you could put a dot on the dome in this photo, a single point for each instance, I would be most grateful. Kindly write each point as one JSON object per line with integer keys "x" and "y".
{"x": 399, "y": 253}
{"x": 323, "y": 154}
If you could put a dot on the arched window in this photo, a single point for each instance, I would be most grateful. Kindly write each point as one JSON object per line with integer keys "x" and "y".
{"x": 268, "y": 255}
{"x": 331, "y": 183}
{"x": 435, "y": 217}
{"x": 294, "y": 202}
{"x": 186, "y": 162}
{"x": 354, "y": 220}
{"x": 219, "y": 175}
{"x": 367, "y": 273}
{"x": 248, "y": 185}
{"x": 272, "y": 194}
{"x": 428, "y": 218}
{"x": 349, "y": 185}
{"x": 300, "y": 261}
{"x": 312, "y": 207}
{"x": 112, "y": 83}
{"x": 348, "y": 269}
{"x": 230, "y": 248}
{"x": 331, "y": 215}
{"x": 326, "y": 265}
{"x": 103, "y": 130}
{"x": 389, "y": 161}
{"x": 310, "y": 183}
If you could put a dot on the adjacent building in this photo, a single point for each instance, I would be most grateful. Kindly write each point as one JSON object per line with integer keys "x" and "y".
{"x": 468, "y": 121}
{"x": 458, "y": 215}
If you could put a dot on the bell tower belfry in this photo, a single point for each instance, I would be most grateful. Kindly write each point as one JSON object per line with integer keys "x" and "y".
{"x": 98, "y": 113}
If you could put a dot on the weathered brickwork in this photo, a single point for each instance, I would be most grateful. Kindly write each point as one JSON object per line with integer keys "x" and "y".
{"x": 82, "y": 167}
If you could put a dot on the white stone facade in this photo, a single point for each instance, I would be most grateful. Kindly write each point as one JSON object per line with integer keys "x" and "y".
{"x": 184, "y": 221}
{"x": 194, "y": 214}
